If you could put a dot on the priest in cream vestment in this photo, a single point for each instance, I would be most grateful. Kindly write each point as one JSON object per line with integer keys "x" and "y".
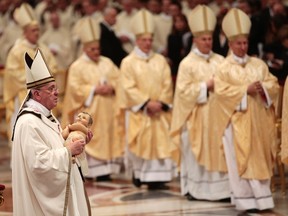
{"x": 245, "y": 96}
{"x": 91, "y": 87}
{"x": 11, "y": 33}
{"x": 147, "y": 97}
{"x": 123, "y": 25}
{"x": 44, "y": 179}
{"x": 163, "y": 27}
{"x": 203, "y": 166}
{"x": 14, "y": 77}
{"x": 59, "y": 40}
{"x": 284, "y": 125}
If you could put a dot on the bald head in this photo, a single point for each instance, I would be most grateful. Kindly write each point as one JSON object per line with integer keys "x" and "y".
{"x": 109, "y": 15}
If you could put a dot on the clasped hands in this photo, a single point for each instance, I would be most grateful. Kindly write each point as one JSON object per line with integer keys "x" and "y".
{"x": 104, "y": 89}
{"x": 255, "y": 88}
{"x": 153, "y": 108}
{"x": 210, "y": 84}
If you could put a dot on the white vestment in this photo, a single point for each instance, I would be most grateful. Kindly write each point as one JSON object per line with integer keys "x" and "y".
{"x": 196, "y": 180}
{"x": 40, "y": 168}
{"x": 247, "y": 194}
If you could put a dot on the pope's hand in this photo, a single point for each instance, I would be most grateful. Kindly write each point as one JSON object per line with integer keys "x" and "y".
{"x": 89, "y": 136}
{"x": 76, "y": 147}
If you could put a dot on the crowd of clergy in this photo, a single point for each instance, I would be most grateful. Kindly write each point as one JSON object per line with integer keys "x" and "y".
{"x": 170, "y": 88}
{"x": 58, "y": 26}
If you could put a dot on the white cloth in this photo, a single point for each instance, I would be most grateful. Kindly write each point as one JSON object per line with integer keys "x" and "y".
{"x": 196, "y": 180}
{"x": 246, "y": 193}
{"x": 40, "y": 166}
{"x": 163, "y": 27}
{"x": 103, "y": 167}
{"x": 123, "y": 27}
{"x": 163, "y": 170}
{"x": 59, "y": 42}
{"x": 158, "y": 170}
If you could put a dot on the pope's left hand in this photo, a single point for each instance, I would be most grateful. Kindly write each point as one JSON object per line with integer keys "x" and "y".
{"x": 89, "y": 136}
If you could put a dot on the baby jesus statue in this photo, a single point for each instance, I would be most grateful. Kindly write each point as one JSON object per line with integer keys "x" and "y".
{"x": 79, "y": 130}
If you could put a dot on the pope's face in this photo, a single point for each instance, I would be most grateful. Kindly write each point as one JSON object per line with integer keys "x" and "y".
{"x": 48, "y": 95}
{"x": 144, "y": 42}
{"x": 204, "y": 43}
{"x": 92, "y": 50}
{"x": 239, "y": 46}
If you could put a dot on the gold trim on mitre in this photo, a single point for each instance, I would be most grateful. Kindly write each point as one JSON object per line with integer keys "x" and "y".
{"x": 25, "y": 15}
{"x": 236, "y": 23}
{"x": 201, "y": 20}
{"x": 143, "y": 22}
{"x": 89, "y": 30}
{"x": 37, "y": 71}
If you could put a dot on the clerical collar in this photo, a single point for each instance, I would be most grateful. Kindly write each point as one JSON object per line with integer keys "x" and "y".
{"x": 86, "y": 57}
{"x": 240, "y": 60}
{"x": 142, "y": 54}
{"x": 200, "y": 54}
{"x": 37, "y": 107}
{"x": 33, "y": 46}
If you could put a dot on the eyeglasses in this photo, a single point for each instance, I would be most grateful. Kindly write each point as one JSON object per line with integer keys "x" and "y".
{"x": 50, "y": 90}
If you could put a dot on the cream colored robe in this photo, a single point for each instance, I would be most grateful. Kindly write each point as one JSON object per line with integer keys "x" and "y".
{"x": 67, "y": 18}
{"x": 187, "y": 112}
{"x": 40, "y": 167}
{"x": 163, "y": 27}
{"x": 11, "y": 33}
{"x": 141, "y": 80}
{"x": 15, "y": 75}
{"x": 254, "y": 128}
{"x": 284, "y": 125}
{"x": 123, "y": 27}
{"x": 84, "y": 75}
{"x": 60, "y": 41}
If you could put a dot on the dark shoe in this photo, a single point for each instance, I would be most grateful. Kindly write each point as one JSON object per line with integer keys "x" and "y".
{"x": 190, "y": 197}
{"x": 157, "y": 186}
{"x": 163, "y": 187}
{"x": 252, "y": 211}
{"x": 103, "y": 178}
{"x": 136, "y": 182}
{"x": 225, "y": 200}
